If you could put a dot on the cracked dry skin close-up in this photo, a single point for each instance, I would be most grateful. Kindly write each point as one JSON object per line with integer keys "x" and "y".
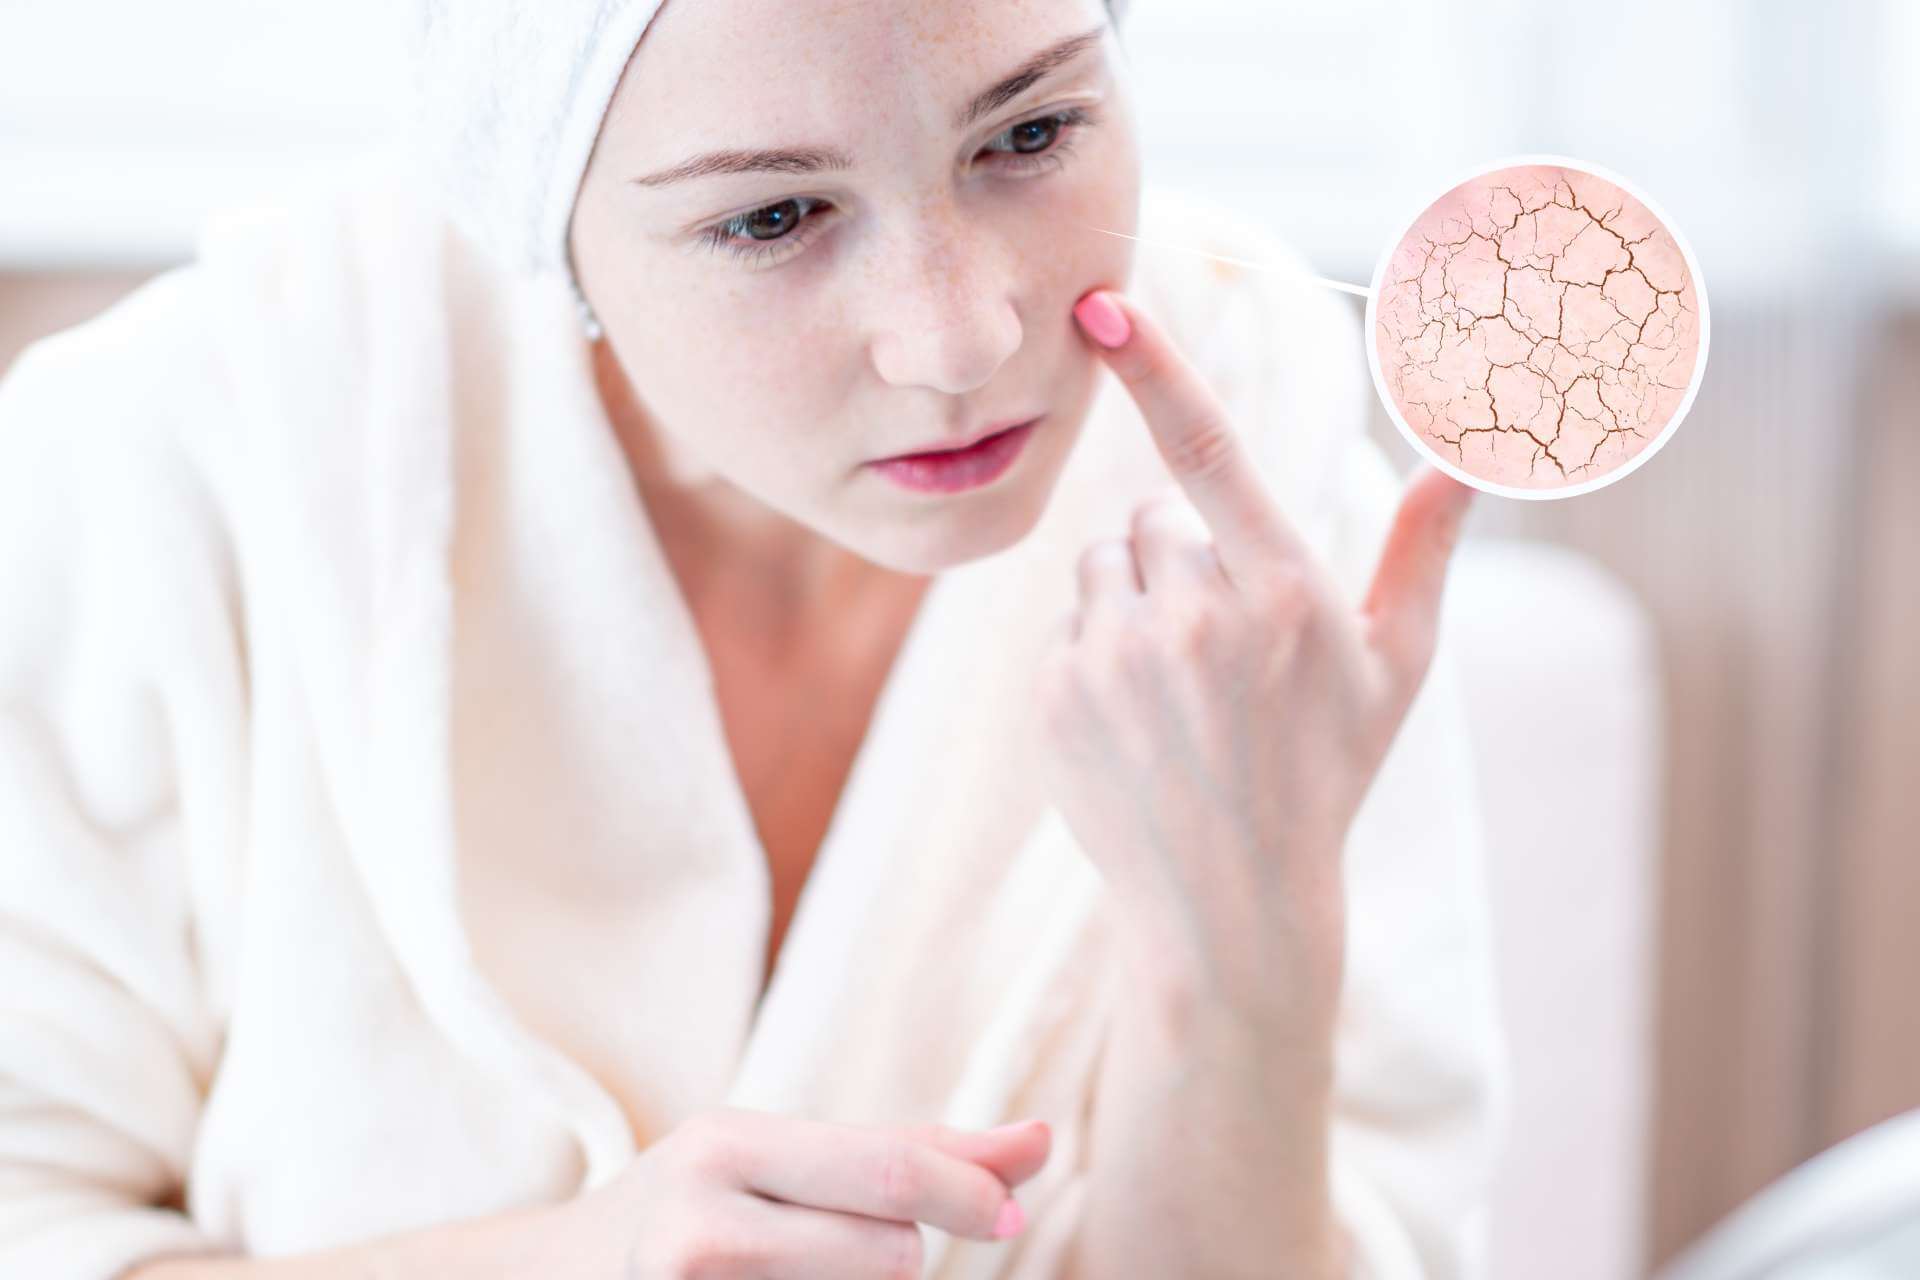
{"x": 1538, "y": 327}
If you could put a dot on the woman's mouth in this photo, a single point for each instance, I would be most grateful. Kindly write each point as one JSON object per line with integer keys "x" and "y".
{"x": 950, "y": 471}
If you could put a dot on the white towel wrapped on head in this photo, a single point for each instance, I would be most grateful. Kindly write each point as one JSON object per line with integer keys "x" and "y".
{"x": 506, "y": 104}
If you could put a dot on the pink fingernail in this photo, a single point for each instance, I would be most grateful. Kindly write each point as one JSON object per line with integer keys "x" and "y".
{"x": 1010, "y": 1221}
{"x": 1101, "y": 318}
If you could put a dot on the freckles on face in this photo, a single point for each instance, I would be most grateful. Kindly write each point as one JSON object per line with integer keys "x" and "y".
{"x": 739, "y": 387}
{"x": 779, "y": 367}
{"x": 1078, "y": 254}
{"x": 935, "y": 292}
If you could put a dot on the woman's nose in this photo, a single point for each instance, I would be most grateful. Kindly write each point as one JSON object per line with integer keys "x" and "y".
{"x": 945, "y": 315}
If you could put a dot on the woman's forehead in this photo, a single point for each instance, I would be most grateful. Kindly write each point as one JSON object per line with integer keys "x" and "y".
{"x": 731, "y": 73}
{"x": 754, "y": 52}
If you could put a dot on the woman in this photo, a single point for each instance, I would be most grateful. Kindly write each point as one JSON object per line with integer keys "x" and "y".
{"x": 487, "y": 800}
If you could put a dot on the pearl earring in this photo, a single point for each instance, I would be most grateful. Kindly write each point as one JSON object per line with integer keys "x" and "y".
{"x": 589, "y": 323}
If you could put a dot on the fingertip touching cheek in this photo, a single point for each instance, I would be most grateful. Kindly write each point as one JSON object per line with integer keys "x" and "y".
{"x": 862, "y": 237}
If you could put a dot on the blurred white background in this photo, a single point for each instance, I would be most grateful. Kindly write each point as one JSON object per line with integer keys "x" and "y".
{"x": 1769, "y": 545}
{"x": 1774, "y": 133}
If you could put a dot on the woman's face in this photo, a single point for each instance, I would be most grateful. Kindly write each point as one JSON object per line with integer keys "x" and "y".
{"x": 904, "y": 282}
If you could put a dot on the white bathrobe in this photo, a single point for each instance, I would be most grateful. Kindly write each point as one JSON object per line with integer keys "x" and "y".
{"x": 370, "y": 849}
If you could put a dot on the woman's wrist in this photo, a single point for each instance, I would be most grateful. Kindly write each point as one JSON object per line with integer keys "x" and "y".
{"x": 1248, "y": 1001}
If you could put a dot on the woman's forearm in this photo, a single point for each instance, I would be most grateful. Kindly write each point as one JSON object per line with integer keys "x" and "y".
{"x": 1208, "y": 1149}
{"x": 516, "y": 1243}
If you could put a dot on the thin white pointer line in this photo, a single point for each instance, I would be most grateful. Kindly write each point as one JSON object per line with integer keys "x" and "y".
{"x": 1342, "y": 286}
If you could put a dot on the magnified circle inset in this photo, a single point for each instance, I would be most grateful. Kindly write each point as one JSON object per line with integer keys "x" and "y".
{"x": 1540, "y": 330}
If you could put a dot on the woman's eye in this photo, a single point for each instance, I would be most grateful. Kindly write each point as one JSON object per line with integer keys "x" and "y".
{"x": 762, "y": 230}
{"x": 1047, "y": 141}
{"x": 1035, "y": 144}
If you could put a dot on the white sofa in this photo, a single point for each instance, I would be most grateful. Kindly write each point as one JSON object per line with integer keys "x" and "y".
{"x": 1850, "y": 1213}
{"x": 1560, "y": 665}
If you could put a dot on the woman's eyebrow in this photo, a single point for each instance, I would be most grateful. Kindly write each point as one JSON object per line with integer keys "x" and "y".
{"x": 818, "y": 159}
{"x": 1031, "y": 72}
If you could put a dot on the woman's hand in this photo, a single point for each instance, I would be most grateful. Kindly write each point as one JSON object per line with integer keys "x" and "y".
{"x": 732, "y": 1192}
{"x": 1215, "y": 710}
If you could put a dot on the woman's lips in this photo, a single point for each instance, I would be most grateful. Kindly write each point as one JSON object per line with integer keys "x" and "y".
{"x": 953, "y": 470}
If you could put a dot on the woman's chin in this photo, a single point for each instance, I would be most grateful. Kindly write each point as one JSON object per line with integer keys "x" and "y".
{"x": 981, "y": 526}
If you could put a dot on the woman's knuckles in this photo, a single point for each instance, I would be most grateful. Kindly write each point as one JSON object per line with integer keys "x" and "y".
{"x": 709, "y": 1146}
{"x": 915, "y": 1182}
{"x": 900, "y": 1180}
{"x": 1202, "y": 448}
{"x": 1284, "y": 596}
{"x": 706, "y": 1247}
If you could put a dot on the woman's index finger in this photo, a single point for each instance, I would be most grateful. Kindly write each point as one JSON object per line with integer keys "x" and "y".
{"x": 1195, "y": 436}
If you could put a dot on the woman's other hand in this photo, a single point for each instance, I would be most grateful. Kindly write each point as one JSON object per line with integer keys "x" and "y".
{"x": 738, "y": 1193}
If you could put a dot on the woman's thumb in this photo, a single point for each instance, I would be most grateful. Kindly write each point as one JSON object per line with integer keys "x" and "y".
{"x": 1402, "y": 605}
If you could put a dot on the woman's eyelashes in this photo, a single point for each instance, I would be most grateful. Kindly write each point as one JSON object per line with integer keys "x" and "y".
{"x": 768, "y": 233}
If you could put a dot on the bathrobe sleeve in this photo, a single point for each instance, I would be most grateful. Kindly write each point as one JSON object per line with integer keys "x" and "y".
{"x": 121, "y": 696}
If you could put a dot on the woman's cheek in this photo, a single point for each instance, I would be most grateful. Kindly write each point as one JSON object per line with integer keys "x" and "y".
{"x": 1059, "y": 259}
{"x": 727, "y": 344}
{"x": 1100, "y": 194}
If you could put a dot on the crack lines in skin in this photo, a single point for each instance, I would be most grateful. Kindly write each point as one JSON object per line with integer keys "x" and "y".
{"x": 1473, "y": 323}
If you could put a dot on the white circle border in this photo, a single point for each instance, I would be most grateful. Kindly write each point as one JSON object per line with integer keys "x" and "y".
{"x": 1453, "y": 469}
